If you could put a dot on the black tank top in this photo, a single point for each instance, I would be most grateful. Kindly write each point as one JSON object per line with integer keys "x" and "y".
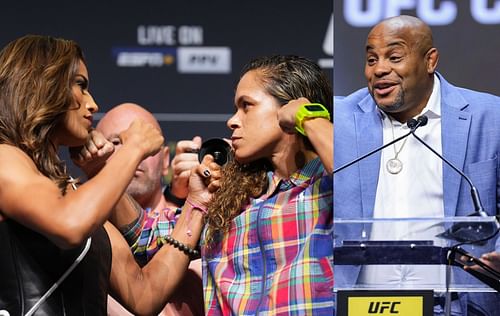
{"x": 30, "y": 264}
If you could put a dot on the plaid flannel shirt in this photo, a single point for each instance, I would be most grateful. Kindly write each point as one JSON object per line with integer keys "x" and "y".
{"x": 277, "y": 258}
{"x": 146, "y": 236}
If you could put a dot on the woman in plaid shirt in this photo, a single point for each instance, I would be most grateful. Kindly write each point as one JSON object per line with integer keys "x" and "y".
{"x": 268, "y": 243}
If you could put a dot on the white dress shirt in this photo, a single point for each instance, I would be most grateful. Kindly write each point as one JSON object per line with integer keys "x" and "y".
{"x": 416, "y": 191}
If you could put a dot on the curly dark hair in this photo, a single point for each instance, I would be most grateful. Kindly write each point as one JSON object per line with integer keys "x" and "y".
{"x": 285, "y": 77}
{"x": 36, "y": 73}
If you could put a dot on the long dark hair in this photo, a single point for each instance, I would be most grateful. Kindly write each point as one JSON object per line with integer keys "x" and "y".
{"x": 36, "y": 73}
{"x": 285, "y": 78}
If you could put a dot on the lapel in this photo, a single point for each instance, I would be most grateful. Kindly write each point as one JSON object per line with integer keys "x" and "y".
{"x": 368, "y": 120}
{"x": 455, "y": 125}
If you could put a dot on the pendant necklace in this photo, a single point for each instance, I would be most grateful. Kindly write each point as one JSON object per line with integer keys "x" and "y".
{"x": 394, "y": 165}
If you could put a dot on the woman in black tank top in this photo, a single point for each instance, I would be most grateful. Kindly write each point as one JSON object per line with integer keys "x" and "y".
{"x": 45, "y": 227}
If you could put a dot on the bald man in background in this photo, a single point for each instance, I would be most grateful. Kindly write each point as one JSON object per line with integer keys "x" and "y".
{"x": 146, "y": 188}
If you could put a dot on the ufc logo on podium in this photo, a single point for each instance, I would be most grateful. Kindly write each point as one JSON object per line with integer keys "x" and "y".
{"x": 383, "y": 308}
{"x": 385, "y": 302}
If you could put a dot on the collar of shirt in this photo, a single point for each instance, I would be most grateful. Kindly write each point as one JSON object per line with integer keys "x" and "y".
{"x": 309, "y": 171}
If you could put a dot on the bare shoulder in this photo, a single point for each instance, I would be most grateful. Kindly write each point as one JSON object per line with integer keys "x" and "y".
{"x": 22, "y": 186}
{"x": 7, "y": 152}
{"x": 14, "y": 163}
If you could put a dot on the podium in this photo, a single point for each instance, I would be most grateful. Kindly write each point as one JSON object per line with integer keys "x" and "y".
{"x": 389, "y": 264}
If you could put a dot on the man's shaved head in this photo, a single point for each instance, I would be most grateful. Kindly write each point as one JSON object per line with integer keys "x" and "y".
{"x": 418, "y": 31}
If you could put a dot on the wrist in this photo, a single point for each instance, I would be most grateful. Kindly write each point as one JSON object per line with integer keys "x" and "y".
{"x": 197, "y": 206}
{"x": 311, "y": 123}
{"x": 309, "y": 111}
{"x": 189, "y": 225}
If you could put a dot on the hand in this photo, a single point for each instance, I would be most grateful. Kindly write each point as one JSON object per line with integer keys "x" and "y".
{"x": 92, "y": 157}
{"x": 142, "y": 136}
{"x": 287, "y": 113}
{"x": 186, "y": 158}
{"x": 492, "y": 259}
{"x": 204, "y": 181}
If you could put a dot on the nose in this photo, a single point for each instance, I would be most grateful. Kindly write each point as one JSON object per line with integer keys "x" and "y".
{"x": 234, "y": 122}
{"x": 91, "y": 105}
{"x": 382, "y": 68}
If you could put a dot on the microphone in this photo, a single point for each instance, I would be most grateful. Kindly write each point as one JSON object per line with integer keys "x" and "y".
{"x": 412, "y": 124}
{"x": 420, "y": 121}
{"x": 463, "y": 232}
{"x": 474, "y": 193}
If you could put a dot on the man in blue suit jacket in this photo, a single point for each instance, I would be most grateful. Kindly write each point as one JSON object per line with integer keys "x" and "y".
{"x": 400, "y": 70}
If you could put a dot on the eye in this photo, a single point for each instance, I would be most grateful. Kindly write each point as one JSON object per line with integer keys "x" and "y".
{"x": 370, "y": 60}
{"x": 83, "y": 83}
{"x": 116, "y": 141}
{"x": 395, "y": 58}
{"x": 245, "y": 105}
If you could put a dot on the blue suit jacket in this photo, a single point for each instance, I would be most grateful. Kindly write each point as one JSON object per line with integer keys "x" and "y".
{"x": 470, "y": 141}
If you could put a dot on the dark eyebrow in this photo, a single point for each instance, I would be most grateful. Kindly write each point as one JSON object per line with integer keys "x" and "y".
{"x": 391, "y": 45}
{"x": 241, "y": 99}
{"x": 238, "y": 99}
{"x": 397, "y": 43}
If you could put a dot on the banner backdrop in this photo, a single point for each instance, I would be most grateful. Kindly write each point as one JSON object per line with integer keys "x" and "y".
{"x": 466, "y": 33}
{"x": 179, "y": 59}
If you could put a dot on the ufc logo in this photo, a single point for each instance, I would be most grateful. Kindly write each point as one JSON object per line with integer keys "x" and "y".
{"x": 382, "y": 307}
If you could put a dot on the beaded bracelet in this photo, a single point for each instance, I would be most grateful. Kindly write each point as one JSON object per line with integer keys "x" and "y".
{"x": 191, "y": 253}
